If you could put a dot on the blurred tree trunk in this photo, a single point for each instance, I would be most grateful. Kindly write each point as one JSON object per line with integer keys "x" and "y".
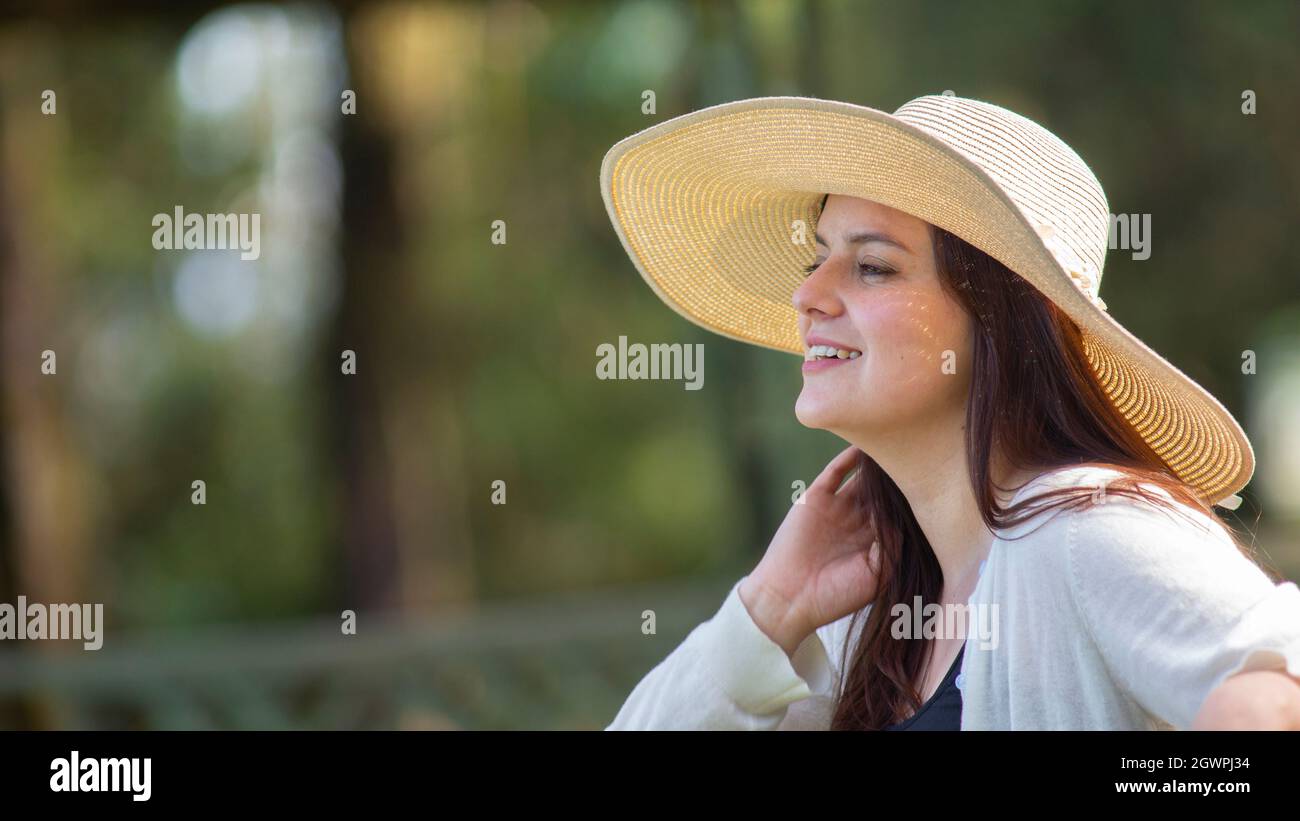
{"x": 369, "y": 219}
{"x": 734, "y": 372}
{"x": 737, "y": 371}
{"x": 46, "y": 547}
{"x": 406, "y": 537}
{"x": 44, "y": 469}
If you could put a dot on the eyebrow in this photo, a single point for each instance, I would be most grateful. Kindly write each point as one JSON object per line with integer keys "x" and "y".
{"x": 864, "y": 237}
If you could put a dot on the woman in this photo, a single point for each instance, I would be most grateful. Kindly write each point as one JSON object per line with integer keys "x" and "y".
{"x": 1020, "y": 457}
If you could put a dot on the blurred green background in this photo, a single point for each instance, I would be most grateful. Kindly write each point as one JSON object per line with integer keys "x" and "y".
{"x": 476, "y": 361}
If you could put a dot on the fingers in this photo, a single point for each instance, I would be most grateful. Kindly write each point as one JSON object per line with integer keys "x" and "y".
{"x": 875, "y": 557}
{"x": 835, "y": 471}
{"x": 851, "y": 484}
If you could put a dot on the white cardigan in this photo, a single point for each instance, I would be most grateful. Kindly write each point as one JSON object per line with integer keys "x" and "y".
{"x": 1119, "y": 616}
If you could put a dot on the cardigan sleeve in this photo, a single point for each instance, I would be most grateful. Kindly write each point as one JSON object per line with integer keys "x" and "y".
{"x": 727, "y": 674}
{"x": 1174, "y": 607}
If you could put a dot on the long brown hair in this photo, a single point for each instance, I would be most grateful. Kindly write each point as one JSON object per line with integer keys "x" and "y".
{"x": 1034, "y": 396}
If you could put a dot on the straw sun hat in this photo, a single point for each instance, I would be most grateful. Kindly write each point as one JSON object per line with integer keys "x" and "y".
{"x": 708, "y": 206}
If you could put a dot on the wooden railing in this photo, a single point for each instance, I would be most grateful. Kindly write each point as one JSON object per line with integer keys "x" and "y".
{"x": 564, "y": 663}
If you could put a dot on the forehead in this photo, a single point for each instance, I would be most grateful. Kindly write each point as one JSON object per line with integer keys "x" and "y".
{"x": 853, "y": 219}
{"x": 841, "y": 208}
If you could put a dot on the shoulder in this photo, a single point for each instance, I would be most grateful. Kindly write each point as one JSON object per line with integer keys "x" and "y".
{"x": 1160, "y": 547}
{"x": 1132, "y": 563}
{"x": 1111, "y": 525}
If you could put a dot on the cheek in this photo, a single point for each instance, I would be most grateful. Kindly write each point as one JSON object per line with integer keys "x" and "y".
{"x": 917, "y": 342}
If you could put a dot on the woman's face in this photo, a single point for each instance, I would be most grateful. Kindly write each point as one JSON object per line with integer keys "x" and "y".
{"x": 875, "y": 290}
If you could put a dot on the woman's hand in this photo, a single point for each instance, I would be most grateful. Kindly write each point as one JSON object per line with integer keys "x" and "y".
{"x": 822, "y": 563}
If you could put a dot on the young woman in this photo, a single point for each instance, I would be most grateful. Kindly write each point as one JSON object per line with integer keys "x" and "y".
{"x": 1016, "y": 456}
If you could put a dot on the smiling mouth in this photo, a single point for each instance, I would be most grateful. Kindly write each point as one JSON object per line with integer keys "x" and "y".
{"x": 819, "y": 352}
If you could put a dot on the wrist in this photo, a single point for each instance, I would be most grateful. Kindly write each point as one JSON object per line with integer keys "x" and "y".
{"x": 773, "y": 614}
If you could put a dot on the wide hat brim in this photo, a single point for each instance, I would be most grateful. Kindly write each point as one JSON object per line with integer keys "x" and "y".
{"x": 705, "y": 205}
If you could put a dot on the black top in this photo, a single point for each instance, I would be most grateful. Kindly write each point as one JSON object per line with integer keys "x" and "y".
{"x": 943, "y": 710}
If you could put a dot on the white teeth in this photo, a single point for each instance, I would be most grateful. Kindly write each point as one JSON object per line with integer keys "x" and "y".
{"x": 828, "y": 352}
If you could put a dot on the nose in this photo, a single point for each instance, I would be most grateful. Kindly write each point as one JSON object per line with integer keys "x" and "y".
{"x": 818, "y": 294}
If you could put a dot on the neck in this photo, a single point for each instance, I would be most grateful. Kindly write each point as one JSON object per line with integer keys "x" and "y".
{"x": 930, "y": 468}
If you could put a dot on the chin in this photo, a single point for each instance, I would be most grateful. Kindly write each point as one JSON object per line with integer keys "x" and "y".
{"x": 813, "y": 414}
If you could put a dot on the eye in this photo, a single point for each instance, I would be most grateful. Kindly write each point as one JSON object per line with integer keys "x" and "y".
{"x": 867, "y": 269}
{"x": 864, "y": 268}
